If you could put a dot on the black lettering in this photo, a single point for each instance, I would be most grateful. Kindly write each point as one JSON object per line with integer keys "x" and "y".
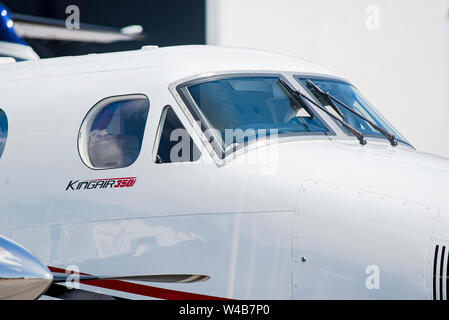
{"x": 99, "y": 184}
{"x": 85, "y": 183}
{"x": 71, "y": 183}
{"x": 91, "y": 185}
{"x": 110, "y": 183}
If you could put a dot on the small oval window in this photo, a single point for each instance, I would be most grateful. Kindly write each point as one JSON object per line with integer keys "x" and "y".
{"x": 112, "y": 132}
{"x": 3, "y": 131}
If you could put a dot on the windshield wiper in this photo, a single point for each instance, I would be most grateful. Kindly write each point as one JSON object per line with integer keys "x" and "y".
{"x": 301, "y": 97}
{"x": 330, "y": 98}
{"x": 326, "y": 101}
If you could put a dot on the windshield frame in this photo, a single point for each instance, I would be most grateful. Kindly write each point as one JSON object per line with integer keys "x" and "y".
{"x": 299, "y": 76}
{"x": 190, "y": 110}
{"x": 194, "y": 114}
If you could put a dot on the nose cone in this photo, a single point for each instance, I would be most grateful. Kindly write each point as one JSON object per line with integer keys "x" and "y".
{"x": 22, "y": 275}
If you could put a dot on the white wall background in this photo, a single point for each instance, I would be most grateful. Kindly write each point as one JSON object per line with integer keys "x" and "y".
{"x": 395, "y": 51}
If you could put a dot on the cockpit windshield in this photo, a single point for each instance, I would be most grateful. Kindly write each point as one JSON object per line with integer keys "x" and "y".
{"x": 352, "y": 98}
{"x": 252, "y": 104}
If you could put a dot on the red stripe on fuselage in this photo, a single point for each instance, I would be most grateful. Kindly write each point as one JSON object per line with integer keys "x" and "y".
{"x": 148, "y": 291}
{"x": 111, "y": 179}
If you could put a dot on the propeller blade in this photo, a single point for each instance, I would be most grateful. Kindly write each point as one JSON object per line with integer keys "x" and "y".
{"x": 164, "y": 278}
{"x": 32, "y": 27}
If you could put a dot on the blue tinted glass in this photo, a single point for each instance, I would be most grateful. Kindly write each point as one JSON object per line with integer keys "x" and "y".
{"x": 351, "y": 97}
{"x": 169, "y": 141}
{"x": 116, "y": 134}
{"x": 253, "y": 103}
{"x": 3, "y": 131}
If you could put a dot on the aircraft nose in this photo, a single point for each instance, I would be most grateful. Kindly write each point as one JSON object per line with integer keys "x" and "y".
{"x": 22, "y": 275}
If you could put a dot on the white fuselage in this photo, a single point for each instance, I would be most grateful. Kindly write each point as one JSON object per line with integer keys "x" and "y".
{"x": 318, "y": 220}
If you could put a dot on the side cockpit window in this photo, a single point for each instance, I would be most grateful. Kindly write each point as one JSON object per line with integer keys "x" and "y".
{"x": 112, "y": 132}
{"x": 3, "y": 131}
{"x": 174, "y": 143}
